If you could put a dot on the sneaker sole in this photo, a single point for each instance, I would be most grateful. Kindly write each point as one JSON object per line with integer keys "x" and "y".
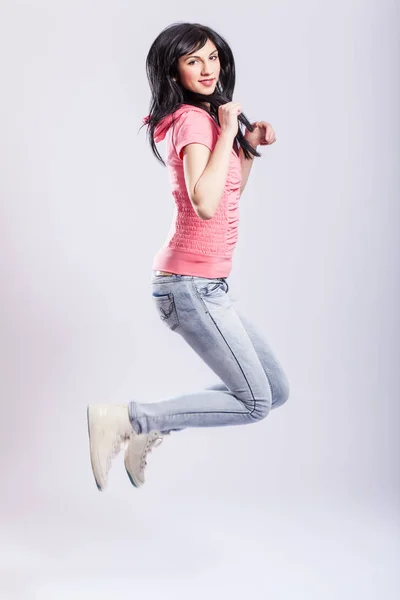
{"x": 90, "y": 450}
{"x": 130, "y": 479}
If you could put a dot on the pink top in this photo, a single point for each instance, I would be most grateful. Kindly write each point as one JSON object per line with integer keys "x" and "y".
{"x": 194, "y": 246}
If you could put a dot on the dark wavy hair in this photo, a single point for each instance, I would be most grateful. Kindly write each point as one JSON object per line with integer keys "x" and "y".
{"x": 167, "y": 95}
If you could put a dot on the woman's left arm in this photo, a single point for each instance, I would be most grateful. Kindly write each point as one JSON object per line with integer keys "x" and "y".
{"x": 262, "y": 135}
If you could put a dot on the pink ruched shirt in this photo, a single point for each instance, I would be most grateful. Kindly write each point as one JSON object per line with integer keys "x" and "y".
{"x": 203, "y": 248}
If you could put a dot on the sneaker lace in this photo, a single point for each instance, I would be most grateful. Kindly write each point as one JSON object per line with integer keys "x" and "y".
{"x": 153, "y": 440}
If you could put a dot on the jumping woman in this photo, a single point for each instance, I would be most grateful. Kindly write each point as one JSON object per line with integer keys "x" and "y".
{"x": 191, "y": 72}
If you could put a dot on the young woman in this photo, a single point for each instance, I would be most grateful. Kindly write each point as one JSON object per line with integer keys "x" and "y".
{"x": 191, "y": 72}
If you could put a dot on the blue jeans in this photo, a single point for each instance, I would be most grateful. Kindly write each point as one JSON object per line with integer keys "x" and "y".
{"x": 251, "y": 380}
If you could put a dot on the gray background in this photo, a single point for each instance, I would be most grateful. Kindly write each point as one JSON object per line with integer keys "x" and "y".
{"x": 303, "y": 505}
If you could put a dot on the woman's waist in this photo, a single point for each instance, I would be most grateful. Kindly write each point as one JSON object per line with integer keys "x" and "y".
{"x": 160, "y": 273}
{"x": 156, "y": 276}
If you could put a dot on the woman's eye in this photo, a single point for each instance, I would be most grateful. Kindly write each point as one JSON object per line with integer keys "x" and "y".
{"x": 194, "y": 61}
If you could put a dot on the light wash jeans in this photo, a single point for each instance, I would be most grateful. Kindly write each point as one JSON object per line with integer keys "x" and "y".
{"x": 251, "y": 380}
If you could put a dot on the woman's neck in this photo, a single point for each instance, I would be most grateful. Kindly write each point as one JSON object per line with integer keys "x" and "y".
{"x": 206, "y": 105}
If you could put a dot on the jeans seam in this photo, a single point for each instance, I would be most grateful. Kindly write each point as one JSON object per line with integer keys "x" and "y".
{"x": 233, "y": 354}
{"x": 203, "y": 412}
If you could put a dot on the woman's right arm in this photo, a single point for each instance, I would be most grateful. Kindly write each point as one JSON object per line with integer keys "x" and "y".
{"x": 205, "y": 174}
{"x": 205, "y": 171}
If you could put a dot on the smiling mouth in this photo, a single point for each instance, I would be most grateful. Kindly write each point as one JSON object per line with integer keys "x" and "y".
{"x": 206, "y": 80}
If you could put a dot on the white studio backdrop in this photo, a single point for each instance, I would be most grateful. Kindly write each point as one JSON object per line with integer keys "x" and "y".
{"x": 304, "y": 504}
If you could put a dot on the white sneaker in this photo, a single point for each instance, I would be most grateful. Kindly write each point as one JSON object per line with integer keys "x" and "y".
{"x": 136, "y": 452}
{"x": 109, "y": 429}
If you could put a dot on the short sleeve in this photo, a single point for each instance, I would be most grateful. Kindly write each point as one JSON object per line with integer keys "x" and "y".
{"x": 193, "y": 127}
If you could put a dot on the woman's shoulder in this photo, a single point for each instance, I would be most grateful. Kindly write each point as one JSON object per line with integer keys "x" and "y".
{"x": 193, "y": 113}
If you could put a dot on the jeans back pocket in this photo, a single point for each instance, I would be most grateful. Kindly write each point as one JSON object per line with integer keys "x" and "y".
{"x": 165, "y": 304}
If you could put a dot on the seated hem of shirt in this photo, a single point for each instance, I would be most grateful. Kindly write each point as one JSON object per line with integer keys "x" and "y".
{"x": 179, "y": 261}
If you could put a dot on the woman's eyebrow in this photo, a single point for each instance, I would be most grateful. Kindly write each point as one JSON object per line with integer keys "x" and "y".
{"x": 194, "y": 56}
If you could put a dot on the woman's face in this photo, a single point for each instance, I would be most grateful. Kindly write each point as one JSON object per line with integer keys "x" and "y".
{"x": 200, "y": 65}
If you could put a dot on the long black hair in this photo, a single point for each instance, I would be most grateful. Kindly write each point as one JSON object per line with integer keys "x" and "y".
{"x": 167, "y": 95}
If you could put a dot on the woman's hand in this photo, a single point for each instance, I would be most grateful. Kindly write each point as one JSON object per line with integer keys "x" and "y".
{"x": 262, "y": 135}
{"x": 228, "y": 117}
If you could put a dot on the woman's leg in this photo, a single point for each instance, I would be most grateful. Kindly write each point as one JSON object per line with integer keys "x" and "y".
{"x": 201, "y": 311}
{"x": 274, "y": 372}
{"x": 252, "y": 381}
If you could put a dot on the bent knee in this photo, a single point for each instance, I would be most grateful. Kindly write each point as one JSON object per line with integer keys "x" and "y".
{"x": 282, "y": 394}
{"x": 261, "y": 408}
